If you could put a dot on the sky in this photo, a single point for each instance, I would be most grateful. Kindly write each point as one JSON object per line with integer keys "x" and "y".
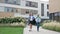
{"x": 44, "y": 0}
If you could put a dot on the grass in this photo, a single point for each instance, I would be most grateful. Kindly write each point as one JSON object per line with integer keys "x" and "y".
{"x": 11, "y": 30}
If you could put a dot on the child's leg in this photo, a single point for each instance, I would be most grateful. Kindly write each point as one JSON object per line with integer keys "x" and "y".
{"x": 37, "y": 26}
{"x": 30, "y": 26}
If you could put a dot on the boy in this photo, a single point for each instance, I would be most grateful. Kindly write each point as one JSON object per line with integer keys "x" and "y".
{"x": 38, "y": 20}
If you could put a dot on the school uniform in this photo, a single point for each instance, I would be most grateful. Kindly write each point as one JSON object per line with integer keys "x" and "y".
{"x": 31, "y": 18}
{"x": 38, "y": 20}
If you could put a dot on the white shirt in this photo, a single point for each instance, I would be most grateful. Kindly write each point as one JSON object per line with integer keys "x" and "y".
{"x": 38, "y": 19}
{"x": 31, "y": 18}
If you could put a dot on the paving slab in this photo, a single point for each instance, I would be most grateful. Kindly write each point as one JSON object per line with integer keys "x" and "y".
{"x": 41, "y": 31}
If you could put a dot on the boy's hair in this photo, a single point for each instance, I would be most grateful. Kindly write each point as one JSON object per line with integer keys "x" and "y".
{"x": 38, "y": 15}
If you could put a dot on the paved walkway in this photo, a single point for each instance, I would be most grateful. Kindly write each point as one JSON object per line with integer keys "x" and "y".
{"x": 42, "y": 31}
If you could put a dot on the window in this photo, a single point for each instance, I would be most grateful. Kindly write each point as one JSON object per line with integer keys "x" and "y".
{"x": 32, "y": 4}
{"x": 35, "y": 11}
{"x": 1, "y": 9}
{"x": 57, "y": 14}
{"x": 6, "y": 1}
{"x": 8, "y": 9}
{"x": 47, "y": 13}
{"x": 12, "y": 10}
{"x": 16, "y": 11}
{"x": 47, "y": 6}
{"x": 15, "y": 2}
{"x": 42, "y": 9}
{"x": 27, "y": 11}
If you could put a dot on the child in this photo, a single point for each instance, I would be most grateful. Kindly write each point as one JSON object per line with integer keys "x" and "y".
{"x": 31, "y": 18}
{"x": 38, "y": 19}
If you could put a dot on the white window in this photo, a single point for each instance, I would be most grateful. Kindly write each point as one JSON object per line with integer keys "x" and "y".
{"x": 42, "y": 9}
{"x": 47, "y": 6}
{"x": 15, "y": 2}
{"x": 32, "y": 4}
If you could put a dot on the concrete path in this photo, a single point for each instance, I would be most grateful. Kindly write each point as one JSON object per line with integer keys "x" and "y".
{"x": 41, "y": 31}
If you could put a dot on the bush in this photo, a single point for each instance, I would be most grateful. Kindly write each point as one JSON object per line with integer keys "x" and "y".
{"x": 52, "y": 26}
{"x": 47, "y": 21}
{"x": 18, "y": 24}
{"x": 12, "y": 20}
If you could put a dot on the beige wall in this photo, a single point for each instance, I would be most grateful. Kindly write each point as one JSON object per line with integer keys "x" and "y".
{"x": 54, "y": 6}
{"x": 6, "y": 14}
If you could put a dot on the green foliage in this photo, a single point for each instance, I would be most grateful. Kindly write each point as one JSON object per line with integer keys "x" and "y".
{"x": 12, "y": 20}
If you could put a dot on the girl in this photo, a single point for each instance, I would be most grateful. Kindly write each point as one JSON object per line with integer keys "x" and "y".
{"x": 31, "y": 18}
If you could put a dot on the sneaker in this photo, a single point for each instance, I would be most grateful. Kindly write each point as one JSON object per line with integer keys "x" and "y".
{"x": 29, "y": 30}
{"x": 37, "y": 30}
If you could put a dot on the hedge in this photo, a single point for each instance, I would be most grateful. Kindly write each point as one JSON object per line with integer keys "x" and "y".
{"x": 12, "y": 20}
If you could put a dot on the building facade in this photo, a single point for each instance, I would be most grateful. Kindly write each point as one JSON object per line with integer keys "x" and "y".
{"x": 54, "y": 9}
{"x": 22, "y": 8}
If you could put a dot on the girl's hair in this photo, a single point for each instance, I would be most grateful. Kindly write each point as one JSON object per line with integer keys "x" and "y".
{"x": 30, "y": 14}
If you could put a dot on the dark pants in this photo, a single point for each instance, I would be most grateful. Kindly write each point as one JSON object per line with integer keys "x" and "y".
{"x": 38, "y": 24}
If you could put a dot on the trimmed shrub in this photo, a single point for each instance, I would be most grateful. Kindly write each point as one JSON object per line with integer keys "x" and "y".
{"x": 12, "y": 20}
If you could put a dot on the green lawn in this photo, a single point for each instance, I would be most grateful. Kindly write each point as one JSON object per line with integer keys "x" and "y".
{"x": 11, "y": 30}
